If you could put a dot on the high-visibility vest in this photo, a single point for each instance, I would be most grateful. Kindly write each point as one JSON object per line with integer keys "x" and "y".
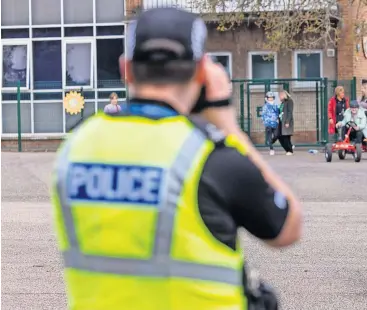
{"x": 128, "y": 224}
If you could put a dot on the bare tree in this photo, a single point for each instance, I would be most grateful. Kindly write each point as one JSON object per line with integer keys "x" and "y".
{"x": 360, "y": 18}
{"x": 287, "y": 24}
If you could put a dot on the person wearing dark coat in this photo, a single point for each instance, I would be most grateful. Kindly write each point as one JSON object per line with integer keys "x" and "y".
{"x": 286, "y": 124}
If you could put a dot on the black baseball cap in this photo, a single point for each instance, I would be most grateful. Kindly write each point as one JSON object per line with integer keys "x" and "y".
{"x": 166, "y": 34}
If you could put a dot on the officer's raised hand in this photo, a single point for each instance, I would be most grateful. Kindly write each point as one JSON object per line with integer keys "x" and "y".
{"x": 215, "y": 101}
{"x": 218, "y": 85}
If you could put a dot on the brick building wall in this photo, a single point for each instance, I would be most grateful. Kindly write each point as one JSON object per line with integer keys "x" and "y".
{"x": 360, "y": 61}
{"x": 249, "y": 39}
{"x": 31, "y": 144}
{"x": 240, "y": 43}
{"x": 351, "y": 60}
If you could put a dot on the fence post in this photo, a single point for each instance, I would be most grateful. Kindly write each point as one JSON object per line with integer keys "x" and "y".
{"x": 248, "y": 96}
{"x": 242, "y": 106}
{"x": 19, "y": 119}
{"x": 286, "y": 86}
{"x": 317, "y": 113}
{"x": 353, "y": 94}
{"x": 267, "y": 86}
{"x": 325, "y": 124}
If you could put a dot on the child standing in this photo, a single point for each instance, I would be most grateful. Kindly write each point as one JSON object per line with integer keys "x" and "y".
{"x": 112, "y": 107}
{"x": 270, "y": 117}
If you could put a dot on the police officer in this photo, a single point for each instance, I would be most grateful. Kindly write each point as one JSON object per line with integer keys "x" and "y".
{"x": 148, "y": 218}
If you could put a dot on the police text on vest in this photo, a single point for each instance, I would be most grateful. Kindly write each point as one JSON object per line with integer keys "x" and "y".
{"x": 115, "y": 183}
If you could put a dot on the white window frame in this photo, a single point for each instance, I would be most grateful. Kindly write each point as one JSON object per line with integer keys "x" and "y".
{"x": 30, "y": 78}
{"x": 249, "y": 66}
{"x": 113, "y": 89}
{"x": 15, "y": 42}
{"x": 262, "y": 53}
{"x": 227, "y": 54}
{"x": 111, "y": 24}
{"x": 77, "y": 40}
{"x": 305, "y": 84}
{"x": 111, "y": 37}
{"x": 43, "y": 134}
{"x": 13, "y": 102}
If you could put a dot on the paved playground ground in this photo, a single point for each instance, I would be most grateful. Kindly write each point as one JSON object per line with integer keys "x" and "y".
{"x": 326, "y": 270}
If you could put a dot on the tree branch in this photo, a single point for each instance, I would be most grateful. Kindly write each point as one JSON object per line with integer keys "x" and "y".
{"x": 287, "y": 24}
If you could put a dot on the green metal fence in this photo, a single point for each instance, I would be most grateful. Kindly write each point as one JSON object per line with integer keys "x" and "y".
{"x": 310, "y": 97}
{"x": 37, "y": 111}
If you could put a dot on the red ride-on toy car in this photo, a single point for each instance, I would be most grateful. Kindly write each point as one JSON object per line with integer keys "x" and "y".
{"x": 346, "y": 147}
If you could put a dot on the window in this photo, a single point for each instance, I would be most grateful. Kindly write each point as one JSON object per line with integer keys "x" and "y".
{"x": 48, "y": 117}
{"x": 78, "y": 63}
{"x": 110, "y": 30}
{"x": 73, "y": 120}
{"x": 12, "y": 96}
{"x": 48, "y": 95}
{"x": 15, "y": 63}
{"x": 14, "y": 12}
{"x": 78, "y": 12}
{"x": 109, "y": 11}
{"x": 46, "y": 12}
{"x": 78, "y": 31}
{"x": 47, "y": 70}
{"x": 17, "y": 33}
{"x": 46, "y": 32}
{"x": 262, "y": 65}
{"x": 308, "y": 65}
{"x": 193, "y": 6}
{"x": 225, "y": 59}
{"x": 10, "y": 118}
{"x": 108, "y": 53}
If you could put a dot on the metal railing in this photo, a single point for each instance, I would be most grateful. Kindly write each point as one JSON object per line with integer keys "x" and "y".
{"x": 310, "y": 98}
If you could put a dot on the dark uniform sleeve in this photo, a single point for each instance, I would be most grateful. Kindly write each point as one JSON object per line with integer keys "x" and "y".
{"x": 244, "y": 193}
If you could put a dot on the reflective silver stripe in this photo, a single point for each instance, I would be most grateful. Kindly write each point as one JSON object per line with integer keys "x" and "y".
{"x": 150, "y": 268}
{"x": 175, "y": 181}
{"x": 160, "y": 264}
{"x": 62, "y": 187}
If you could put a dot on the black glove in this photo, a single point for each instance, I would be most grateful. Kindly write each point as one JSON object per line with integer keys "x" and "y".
{"x": 202, "y": 103}
{"x": 264, "y": 300}
{"x": 260, "y": 296}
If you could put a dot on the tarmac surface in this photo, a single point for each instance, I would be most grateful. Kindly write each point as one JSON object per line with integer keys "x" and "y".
{"x": 326, "y": 270}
